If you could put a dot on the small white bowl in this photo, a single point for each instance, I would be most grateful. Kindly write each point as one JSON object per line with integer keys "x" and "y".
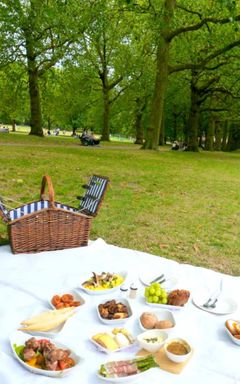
{"x": 161, "y": 314}
{"x": 233, "y": 338}
{"x": 153, "y": 346}
{"x": 175, "y": 357}
{"x": 75, "y": 294}
{"x": 115, "y": 321}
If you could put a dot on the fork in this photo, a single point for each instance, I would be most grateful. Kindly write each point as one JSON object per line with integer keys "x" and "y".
{"x": 157, "y": 279}
{"x": 212, "y": 300}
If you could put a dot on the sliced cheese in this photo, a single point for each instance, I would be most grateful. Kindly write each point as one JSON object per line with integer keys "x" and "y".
{"x": 106, "y": 341}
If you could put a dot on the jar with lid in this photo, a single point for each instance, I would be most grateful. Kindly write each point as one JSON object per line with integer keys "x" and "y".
{"x": 124, "y": 291}
{"x": 133, "y": 291}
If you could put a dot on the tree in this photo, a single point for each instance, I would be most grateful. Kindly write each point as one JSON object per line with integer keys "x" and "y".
{"x": 171, "y": 27}
{"x": 38, "y": 33}
{"x": 106, "y": 45}
{"x": 14, "y": 97}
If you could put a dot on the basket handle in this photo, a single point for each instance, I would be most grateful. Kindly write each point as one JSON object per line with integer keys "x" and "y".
{"x": 47, "y": 180}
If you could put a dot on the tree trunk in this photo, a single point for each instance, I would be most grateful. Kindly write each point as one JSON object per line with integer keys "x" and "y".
{"x": 193, "y": 125}
{"x": 218, "y": 136}
{"x": 234, "y": 137}
{"x": 49, "y": 123}
{"x": 162, "y": 140}
{"x": 153, "y": 131}
{"x": 225, "y": 135}
{"x": 106, "y": 110}
{"x": 14, "y": 125}
{"x": 74, "y": 131}
{"x": 175, "y": 136}
{"x": 139, "y": 129}
{"x": 35, "y": 103}
{"x": 138, "y": 122}
{"x": 210, "y": 134}
{"x": 161, "y": 79}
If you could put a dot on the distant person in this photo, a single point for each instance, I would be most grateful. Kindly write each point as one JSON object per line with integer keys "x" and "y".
{"x": 49, "y": 132}
{"x": 175, "y": 146}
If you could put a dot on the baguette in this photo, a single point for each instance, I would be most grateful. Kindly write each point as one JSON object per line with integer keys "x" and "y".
{"x": 48, "y": 322}
{"x": 46, "y": 315}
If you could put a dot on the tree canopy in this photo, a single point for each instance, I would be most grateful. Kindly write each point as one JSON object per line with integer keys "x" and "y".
{"x": 158, "y": 70}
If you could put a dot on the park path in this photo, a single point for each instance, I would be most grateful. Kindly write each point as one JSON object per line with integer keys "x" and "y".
{"x": 135, "y": 147}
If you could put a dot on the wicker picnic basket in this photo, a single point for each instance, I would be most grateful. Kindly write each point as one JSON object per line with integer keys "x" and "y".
{"x": 46, "y": 225}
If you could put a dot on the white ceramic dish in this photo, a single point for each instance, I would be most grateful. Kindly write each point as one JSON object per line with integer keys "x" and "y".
{"x": 166, "y": 306}
{"x": 51, "y": 333}
{"x": 19, "y": 338}
{"x": 234, "y": 339}
{"x": 152, "y": 334}
{"x": 104, "y": 291}
{"x": 161, "y": 314}
{"x": 126, "y": 379}
{"x": 225, "y": 305}
{"x": 108, "y": 351}
{"x": 116, "y": 321}
{"x": 75, "y": 294}
{"x": 174, "y": 357}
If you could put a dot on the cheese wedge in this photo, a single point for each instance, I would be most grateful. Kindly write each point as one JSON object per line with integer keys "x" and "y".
{"x": 106, "y": 341}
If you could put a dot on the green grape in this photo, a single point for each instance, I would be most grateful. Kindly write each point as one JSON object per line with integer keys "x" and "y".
{"x": 147, "y": 292}
{"x": 155, "y": 299}
{"x": 155, "y": 285}
{"x": 152, "y": 291}
{"x": 150, "y": 299}
{"x": 158, "y": 293}
{"x": 164, "y": 301}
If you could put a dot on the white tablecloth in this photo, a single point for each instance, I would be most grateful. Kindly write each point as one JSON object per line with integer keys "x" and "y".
{"x": 28, "y": 281}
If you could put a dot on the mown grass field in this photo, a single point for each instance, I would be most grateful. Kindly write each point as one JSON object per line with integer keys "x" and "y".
{"x": 183, "y": 206}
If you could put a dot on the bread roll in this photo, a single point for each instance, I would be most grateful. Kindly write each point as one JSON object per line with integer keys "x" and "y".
{"x": 233, "y": 327}
{"x": 148, "y": 320}
{"x": 163, "y": 324}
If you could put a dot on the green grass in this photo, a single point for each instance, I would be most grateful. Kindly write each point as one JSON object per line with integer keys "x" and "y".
{"x": 183, "y": 206}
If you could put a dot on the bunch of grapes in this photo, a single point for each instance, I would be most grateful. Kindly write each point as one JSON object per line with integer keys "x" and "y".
{"x": 156, "y": 294}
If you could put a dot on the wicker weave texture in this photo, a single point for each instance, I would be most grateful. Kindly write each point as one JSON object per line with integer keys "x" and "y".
{"x": 49, "y": 230}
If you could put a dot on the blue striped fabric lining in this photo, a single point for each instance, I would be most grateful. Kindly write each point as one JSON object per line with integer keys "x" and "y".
{"x": 34, "y": 207}
{"x": 93, "y": 196}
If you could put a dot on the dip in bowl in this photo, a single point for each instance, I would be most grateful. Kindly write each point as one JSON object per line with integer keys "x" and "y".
{"x": 152, "y": 340}
{"x": 177, "y": 350}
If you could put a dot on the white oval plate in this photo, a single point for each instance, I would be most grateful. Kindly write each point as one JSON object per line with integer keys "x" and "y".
{"x": 116, "y": 321}
{"x": 162, "y": 314}
{"x": 126, "y": 379}
{"x": 165, "y": 306}
{"x": 52, "y": 333}
{"x": 225, "y": 305}
{"x": 19, "y": 338}
{"x": 75, "y": 295}
{"x": 105, "y": 291}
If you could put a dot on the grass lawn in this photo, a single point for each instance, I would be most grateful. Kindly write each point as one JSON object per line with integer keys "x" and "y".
{"x": 183, "y": 206}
